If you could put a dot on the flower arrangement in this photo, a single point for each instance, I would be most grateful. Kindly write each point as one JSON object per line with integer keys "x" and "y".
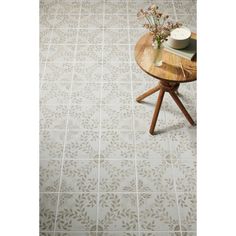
{"x": 156, "y": 22}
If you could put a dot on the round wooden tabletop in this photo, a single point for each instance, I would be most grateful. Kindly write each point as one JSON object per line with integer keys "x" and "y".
{"x": 173, "y": 69}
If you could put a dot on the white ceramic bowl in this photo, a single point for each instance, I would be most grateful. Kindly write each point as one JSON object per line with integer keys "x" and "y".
{"x": 179, "y": 38}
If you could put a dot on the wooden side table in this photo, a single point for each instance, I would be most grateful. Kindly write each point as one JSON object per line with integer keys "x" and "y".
{"x": 175, "y": 70}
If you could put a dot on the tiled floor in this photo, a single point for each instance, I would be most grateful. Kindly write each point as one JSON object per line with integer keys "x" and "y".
{"x": 101, "y": 173}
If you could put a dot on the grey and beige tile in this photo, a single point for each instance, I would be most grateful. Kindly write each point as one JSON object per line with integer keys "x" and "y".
{"x": 101, "y": 172}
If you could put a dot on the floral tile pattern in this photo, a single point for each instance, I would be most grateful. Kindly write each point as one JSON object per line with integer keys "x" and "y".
{"x": 51, "y": 144}
{"x": 77, "y": 212}
{"x": 79, "y": 176}
{"x": 115, "y": 36}
{"x": 49, "y": 175}
{"x": 53, "y": 116}
{"x": 58, "y": 72}
{"x": 55, "y": 93}
{"x": 155, "y": 176}
{"x": 187, "y": 206}
{"x": 101, "y": 172}
{"x": 158, "y": 212}
{"x": 116, "y": 72}
{"x": 117, "y": 176}
{"x": 116, "y": 117}
{"x": 87, "y": 72}
{"x": 48, "y": 202}
{"x": 184, "y": 172}
{"x": 118, "y": 212}
{"x": 82, "y": 144}
{"x": 117, "y": 144}
{"x": 83, "y": 117}
{"x": 116, "y": 93}
{"x": 64, "y": 35}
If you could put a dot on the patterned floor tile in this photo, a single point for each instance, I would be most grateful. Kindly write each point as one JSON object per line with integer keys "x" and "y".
{"x": 135, "y": 6}
{"x": 58, "y": 72}
{"x": 48, "y": 203}
{"x": 117, "y": 176}
{"x": 89, "y": 36}
{"x": 160, "y": 234}
{"x": 76, "y": 234}
{"x": 53, "y": 116}
{"x": 187, "y": 207}
{"x": 84, "y": 117}
{"x": 92, "y": 7}
{"x": 43, "y": 52}
{"x": 189, "y": 233}
{"x": 115, "y": 7}
{"x": 77, "y": 212}
{"x": 66, "y": 21}
{"x": 143, "y": 113}
{"x": 50, "y": 171}
{"x": 116, "y": 72}
{"x": 68, "y": 7}
{"x": 61, "y": 53}
{"x": 117, "y": 234}
{"x": 166, "y": 7}
{"x": 46, "y": 234}
{"x": 148, "y": 147}
{"x": 87, "y": 72}
{"x": 116, "y": 93}
{"x": 83, "y": 93}
{"x": 116, "y": 117}
{"x": 158, "y": 212}
{"x": 89, "y": 53}
{"x": 51, "y": 144}
{"x": 133, "y": 22}
{"x": 155, "y": 176}
{"x": 42, "y": 65}
{"x": 91, "y": 21}
{"x": 185, "y": 7}
{"x": 55, "y": 93}
{"x": 47, "y": 20}
{"x": 116, "y": 53}
{"x": 45, "y": 35}
{"x": 118, "y": 212}
{"x": 48, "y": 7}
{"x": 79, "y": 176}
{"x": 135, "y": 34}
{"x": 117, "y": 144}
{"x": 64, "y": 36}
{"x": 185, "y": 175}
{"x": 82, "y": 144}
{"x": 115, "y": 36}
{"x": 115, "y": 21}
{"x": 181, "y": 143}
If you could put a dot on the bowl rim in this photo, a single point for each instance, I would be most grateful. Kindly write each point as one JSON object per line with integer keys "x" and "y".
{"x": 184, "y": 27}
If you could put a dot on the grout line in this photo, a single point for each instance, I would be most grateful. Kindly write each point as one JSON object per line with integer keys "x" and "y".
{"x": 100, "y": 119}
{"x": 66, "y": 132}
{"x": 132, "y": 107}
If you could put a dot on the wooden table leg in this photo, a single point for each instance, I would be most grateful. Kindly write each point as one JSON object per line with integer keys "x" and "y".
{"x": 148, "y": 93}
{"x": 182, "y": 108}
{"x": 156, "y": 112}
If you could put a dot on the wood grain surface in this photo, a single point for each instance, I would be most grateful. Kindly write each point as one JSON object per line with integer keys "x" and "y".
{"x": 174, "y": 68}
